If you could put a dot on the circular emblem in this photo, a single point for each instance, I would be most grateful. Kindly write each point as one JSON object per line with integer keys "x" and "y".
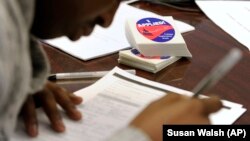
{"x": 155, "y": 29}
{"x": 137, "y": 53}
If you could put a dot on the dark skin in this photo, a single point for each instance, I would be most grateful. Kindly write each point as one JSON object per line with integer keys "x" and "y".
{"x": 72, "y": 18}
{"x": 48, "y": 99}
{"x": 55, "y": 18}
{"x": 76, "y": 18}
{"x": 175, "y": 109}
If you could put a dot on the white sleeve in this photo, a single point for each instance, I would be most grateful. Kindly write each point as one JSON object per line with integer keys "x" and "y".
{"x": 18, "y": 73}
{"x": 129, "y": 133}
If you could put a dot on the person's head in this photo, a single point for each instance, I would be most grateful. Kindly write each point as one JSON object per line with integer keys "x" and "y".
{"x": 73, "y": 18}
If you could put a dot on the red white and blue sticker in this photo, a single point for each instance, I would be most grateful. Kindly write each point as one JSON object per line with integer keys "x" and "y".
{"x": 155, "y": 29}
{"x": 137, "y": 53}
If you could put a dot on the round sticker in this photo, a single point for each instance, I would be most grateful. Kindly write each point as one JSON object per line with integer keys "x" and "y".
{"x": 137, "y": 53}
{"x": 155, "y": 29}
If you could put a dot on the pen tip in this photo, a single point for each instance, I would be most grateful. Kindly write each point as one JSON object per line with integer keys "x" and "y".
{"x": 52, "y": 77}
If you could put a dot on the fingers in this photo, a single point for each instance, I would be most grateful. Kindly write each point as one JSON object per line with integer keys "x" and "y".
{"x": 75, "y": 99}
{"x": 48, "y": 99}
{"x": 53, "y": 94}
{"x": 165, "y": 101}
{"x": 29, "y": 117}
{"x": 169, "y": 99}
{"x": 67, "y": 101}
{"x": 50, "y": 108}
{"x": 211, "y": 104}
{"x": 206, "y": 106}
{"x": 56, "y": 89}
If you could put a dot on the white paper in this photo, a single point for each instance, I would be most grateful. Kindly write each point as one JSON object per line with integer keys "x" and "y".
{"x": 111, "y": 103}
{"x": 104, "y": 41}
{"x": 231, "y": 16}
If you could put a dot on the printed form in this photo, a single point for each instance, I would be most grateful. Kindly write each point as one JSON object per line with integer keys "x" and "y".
{"x": 111, "y": 103}
{"x": 231, "y": 16}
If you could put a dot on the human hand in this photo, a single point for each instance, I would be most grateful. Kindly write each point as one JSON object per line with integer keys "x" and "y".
{"x": 48, "y": 99}
{"x": 175, "y": 109}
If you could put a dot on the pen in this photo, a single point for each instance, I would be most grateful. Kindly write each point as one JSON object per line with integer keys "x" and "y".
{"x": 218, "y": 71}
{"x": 81, "y": 75}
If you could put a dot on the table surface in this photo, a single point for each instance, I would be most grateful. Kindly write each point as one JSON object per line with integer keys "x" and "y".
{"x": 208, "y": 44}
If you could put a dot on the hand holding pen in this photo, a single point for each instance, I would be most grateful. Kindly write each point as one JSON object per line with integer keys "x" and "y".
{"x": 185, "y": 111}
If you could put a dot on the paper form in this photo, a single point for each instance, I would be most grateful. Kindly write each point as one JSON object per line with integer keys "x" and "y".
{"x": 105, "y": 41}
{"x": 110, "y": 110}
{"x": 111, "y": 103}
{"x": 231, "y": 16}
